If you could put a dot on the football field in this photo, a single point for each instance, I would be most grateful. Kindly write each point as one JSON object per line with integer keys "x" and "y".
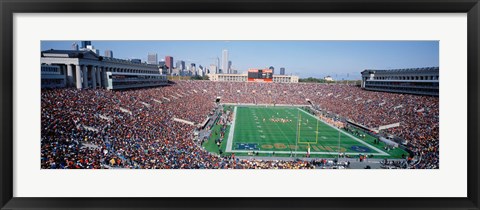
{"x": 292, "y": 131}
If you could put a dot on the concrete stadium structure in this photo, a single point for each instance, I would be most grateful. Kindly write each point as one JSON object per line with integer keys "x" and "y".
{"x": 420, "y": 81}
{"x": 85, "y": 69}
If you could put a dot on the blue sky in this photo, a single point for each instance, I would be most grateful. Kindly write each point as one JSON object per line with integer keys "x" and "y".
{"x": 339, "y": 59}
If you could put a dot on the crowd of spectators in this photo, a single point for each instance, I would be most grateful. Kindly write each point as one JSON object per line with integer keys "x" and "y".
{"x": 417, "y": 115}
{"x": 136, "y": 128}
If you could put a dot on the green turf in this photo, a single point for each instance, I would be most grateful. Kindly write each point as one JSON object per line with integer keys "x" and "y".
{"x": 210, "y": 144}
{"x": 296, "y": 134}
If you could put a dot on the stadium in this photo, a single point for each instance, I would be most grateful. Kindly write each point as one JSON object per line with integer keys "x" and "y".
{"x": 108, "y": 119}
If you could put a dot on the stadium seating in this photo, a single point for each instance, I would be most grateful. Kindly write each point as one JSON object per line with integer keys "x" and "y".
{"x": 135, "y": 128}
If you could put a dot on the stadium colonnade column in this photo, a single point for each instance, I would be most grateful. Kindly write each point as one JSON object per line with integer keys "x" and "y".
{"x": 93, "y": 75}
{"x": 78, "y": 82}
{"x": 85, "y": 76}
{"x": 69, "y": 75}
{"x": 63, "y": 71}
{"x": 103, "y": 75}
{"x": 99, "y": 81}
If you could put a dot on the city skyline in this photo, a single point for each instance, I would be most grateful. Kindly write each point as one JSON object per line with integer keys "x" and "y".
{"x": 339, "y": 59}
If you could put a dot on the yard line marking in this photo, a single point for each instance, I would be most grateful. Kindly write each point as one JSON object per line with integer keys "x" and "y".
{"x": 285, "y": 136}
{"x": 355, "y": 138}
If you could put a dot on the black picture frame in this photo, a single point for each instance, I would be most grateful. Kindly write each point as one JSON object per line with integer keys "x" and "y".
{"x": 10, "y": 7}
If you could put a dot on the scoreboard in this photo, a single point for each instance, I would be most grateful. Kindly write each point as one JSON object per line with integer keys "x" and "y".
{"x": 260, "y": 75}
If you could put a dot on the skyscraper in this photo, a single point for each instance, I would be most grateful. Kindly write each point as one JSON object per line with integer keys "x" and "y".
{"x": 193, "y": 69}
{"x": 180, "y": 65}
{"x": 200, "y": 71}
{"x": 225, "y": 61}
{"x": 213, "y": 69}
{"x": 162, "y": 66}
{"x": 74, "y": 46}
{"x": 109, "y": 53}
{"x": 169, "y": 63}
{"x": 282, "y": 71}
{"x": 152, "y": 58}
{"x": 230, "y": 67}
{"x": 86, "y": 43}
{"x": 273, "y": 69}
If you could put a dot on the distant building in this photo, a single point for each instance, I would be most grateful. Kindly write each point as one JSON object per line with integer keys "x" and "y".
{"x": 273, "y": 69}
{"x": 176, "y": 72}
{"x": 218, "y": 65}
{"x": 193, "y": 69}
{"x": 230, "y": 67}
{"x": 200, "y": 71}
{"x": 180, "y": 65}
{"x": 225, "y": 61}
{"x": 213, "y": 69}
{"x": 162, "y": 67}
{"x": 108, "y": 53}
{"x": 152, "y": 58}
{"x": 285, "y": 79}
{"x": 420, "y": 81}
{"x": 328, "y": 79}
{"x": 169, "y": 63}
{"x": 74, "y": 46}
{"x": 92, "y": 48}
{"x": 282, "y": 71}
{"x": 85, "y": 44}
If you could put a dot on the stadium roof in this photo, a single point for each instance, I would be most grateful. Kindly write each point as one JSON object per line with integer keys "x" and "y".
{"x": 407, "y": 70}
{"x": 70, "y": 54}
{"x": 86, "y": 54}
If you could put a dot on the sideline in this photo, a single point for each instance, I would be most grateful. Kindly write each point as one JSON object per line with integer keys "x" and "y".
{"x": 302, "y": 152}
{"x": 230, "y": 133}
